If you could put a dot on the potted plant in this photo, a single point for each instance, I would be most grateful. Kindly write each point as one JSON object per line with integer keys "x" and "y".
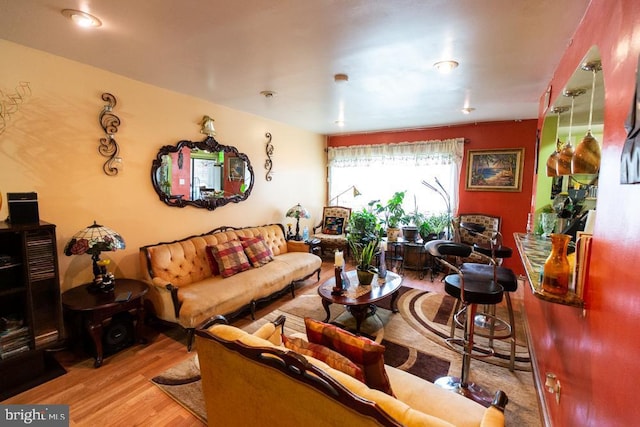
{"x": 363, "y": 227}
{"x": 412, "y": 222}
{"x": 392, "y": 213}
{"x": 363, "y": 255}
{"x": 433, "y": 226}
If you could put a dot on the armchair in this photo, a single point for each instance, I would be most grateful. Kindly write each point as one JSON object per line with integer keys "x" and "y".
{"x": 332, "y": 231}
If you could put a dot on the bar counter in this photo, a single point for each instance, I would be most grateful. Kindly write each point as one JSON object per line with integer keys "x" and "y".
{"x": 534, "y": 251}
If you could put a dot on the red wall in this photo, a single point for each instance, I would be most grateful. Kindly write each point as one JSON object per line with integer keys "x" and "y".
{"x": 511, "y": 206}
{"x": 594, "y": 353}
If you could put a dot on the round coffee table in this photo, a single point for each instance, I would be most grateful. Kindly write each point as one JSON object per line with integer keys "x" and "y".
{"x": 359, "y": 300}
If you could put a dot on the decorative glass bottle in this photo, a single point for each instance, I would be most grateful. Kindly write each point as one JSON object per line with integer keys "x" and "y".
{"x": 556, "y": 273}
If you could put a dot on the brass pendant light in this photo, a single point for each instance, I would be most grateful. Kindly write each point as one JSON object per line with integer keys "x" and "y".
{"x": 552, "y": 161}
{"x": 586, "y": 158}
{"x": 566, "y": 153}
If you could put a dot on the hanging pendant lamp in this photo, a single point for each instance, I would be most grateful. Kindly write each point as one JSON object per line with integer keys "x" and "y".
{"x": 552, "y": 161}
{"x": 586, "y": 158}
{"x": 566, "y": 153}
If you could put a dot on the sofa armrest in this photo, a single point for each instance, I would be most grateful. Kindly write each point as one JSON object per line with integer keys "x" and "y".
{"x": 494, "y": 415}
{"x": 272, "y": 331}
{"x": 297, "y": 246}
{"x": 164, "y": 286}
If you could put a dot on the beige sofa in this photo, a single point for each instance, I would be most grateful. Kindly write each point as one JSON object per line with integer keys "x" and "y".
{"x": 185, "y": 290}
{"x": 249, "y": 378}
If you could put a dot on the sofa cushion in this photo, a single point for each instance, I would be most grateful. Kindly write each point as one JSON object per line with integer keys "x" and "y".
{"x": 325, "y": 354}
{"x": 360, "y": 350}
{"x": 256, "y": 250}
{"x": 412, "y": 390}
{"x": 213, "y": 264}
{"x": 333, "y": 225}
{"x": 230, "y": 257}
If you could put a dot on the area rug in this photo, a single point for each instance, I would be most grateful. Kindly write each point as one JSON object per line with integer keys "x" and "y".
{"x": 431, "y": 314}
{"x": 426, "y": 356}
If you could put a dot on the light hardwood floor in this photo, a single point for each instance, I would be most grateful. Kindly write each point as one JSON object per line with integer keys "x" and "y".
{"x": 120, "y": 392}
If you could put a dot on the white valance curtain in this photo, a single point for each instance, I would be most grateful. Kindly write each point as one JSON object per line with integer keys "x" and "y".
{"x": 421, "y": 153}
{"x": 427, "y": 160}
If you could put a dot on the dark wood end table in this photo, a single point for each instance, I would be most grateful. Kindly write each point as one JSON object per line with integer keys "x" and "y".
{"x": 360, "y": 302}
{"x": 92, "y": 310}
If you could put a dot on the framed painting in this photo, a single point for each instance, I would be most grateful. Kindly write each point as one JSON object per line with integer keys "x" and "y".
{"x": 236, "y": 169}
{"x": 495, "y": 170}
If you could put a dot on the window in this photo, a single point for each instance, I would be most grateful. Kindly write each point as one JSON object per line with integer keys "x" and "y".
{"x": 378, "y": 171}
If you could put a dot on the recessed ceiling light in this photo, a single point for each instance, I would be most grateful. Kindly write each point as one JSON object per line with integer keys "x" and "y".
{"x": 467, "y": 110}
{"x": 446, "y": 66}
{"x": 82, "y": 19}
{"x": 268, "y": 93}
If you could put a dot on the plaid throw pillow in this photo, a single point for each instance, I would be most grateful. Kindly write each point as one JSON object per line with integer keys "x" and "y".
{"x": 360, "y": 350}
{"x": 256, "y": 250}
{"x": 230, "y": 257}
{"x": 213, "y": 264}
{"x": 333, "y": 225}
{"x": 324, "y": 354}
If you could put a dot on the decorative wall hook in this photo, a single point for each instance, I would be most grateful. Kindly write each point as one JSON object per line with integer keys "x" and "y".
{"x": 268, "y": 164}
{"x": 108, "y": 146}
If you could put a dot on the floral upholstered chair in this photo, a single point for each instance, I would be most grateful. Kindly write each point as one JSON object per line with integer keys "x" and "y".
{"x": 332, "y": 231}
{"x": 491, "y": 225}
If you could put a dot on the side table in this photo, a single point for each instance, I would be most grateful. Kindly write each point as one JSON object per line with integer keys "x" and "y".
{"x": 92, "y": 310}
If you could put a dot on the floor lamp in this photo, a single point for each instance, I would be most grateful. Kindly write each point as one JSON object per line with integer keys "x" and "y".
{"x": 356, "y": 193}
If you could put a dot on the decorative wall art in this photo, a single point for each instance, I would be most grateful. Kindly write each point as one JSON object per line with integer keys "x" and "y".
{"x": 494, "y": 170}
{"x": 236, "y": 169}
{"x": 630, "y": 158}
{"x": 268, "y": 164}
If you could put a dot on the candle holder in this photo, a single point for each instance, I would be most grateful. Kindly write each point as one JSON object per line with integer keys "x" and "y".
{"x": 338, "y": 289}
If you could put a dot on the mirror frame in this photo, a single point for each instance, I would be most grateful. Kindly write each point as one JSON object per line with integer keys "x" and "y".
{"x": 209, "y": 144}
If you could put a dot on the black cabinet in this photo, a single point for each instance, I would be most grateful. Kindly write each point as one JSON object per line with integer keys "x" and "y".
{"x": 30, "y": 309}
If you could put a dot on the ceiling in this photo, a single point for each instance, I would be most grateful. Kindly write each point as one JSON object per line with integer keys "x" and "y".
{"x": 227, "y": 52}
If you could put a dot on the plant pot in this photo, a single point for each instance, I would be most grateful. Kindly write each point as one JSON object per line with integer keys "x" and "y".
{"x": 393, "y": 234}
{"x": 365, "y": 277}
{"x": 410, "y": 233}
{"x": 428, "y": 237}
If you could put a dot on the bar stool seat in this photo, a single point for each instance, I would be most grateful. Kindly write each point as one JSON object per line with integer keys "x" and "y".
{"x": 499, "y": 251}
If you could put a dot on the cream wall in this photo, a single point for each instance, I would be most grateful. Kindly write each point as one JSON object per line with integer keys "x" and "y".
{"x": 50, "y": 146}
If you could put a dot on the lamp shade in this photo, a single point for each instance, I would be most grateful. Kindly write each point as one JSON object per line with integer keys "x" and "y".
{"x": 298, "y": 212}
{"x": 93, "y": 240}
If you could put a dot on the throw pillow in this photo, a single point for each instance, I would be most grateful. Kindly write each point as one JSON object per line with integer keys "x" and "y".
{"x": 324, "y": 354}
{"x": 213, "y": 264}
{"x": 256, "y": 250}
{"x": 360, "y": 350}
{"x": 333, "y": 225}
{"x": 230, "y": 257}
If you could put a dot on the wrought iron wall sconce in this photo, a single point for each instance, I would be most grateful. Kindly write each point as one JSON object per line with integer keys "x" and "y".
{"x": 268, "y": 164}
{"x": 108, "y": 146}
{"x": 10, "y": 103}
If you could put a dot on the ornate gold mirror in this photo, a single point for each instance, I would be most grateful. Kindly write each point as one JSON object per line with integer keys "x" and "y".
{"x": 203, "y": 174}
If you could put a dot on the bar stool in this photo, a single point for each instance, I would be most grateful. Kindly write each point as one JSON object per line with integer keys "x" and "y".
{"x": 469, "y": 291}
{"x": 499, "y": 328}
